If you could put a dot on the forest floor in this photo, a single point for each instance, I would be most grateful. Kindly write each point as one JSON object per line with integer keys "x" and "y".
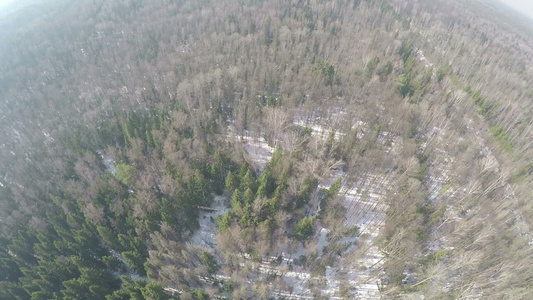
{"x": 357, "y": 270}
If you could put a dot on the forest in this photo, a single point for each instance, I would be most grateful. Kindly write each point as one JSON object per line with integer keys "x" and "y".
{"x": 231, "y": 149}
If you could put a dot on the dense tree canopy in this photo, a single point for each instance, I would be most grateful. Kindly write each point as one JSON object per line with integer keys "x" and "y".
{"x": 150, "y": 149}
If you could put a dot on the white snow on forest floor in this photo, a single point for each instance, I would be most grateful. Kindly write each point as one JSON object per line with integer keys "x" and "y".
{"x": 109, "y": 163}
{"x": 258, "y": 151}
{"x": 322, "y": 240}
{"x": 207, "y": 234}
{"x": 359, "y": 268}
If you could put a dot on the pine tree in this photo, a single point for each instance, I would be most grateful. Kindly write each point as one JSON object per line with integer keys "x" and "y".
{"x": 266, "y": 184}
{"x": 248, "y": 182}
{"x": 248, "y": 197}
{"x": 231, "y": 182}
{"x": 236, "y": 202}
{"x": 210, "y": 263}
{"x": 217, "y": 173}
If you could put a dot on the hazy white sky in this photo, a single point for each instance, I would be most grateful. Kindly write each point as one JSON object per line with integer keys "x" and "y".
{"x": 2, "y": 2}
{"x": 523, "y": 6}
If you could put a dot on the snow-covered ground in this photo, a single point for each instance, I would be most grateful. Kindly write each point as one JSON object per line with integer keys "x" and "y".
{"x": 207, "y": 234}
{"x": 109, "y": 163}
{"x": 258, "y": 151}
{"x": 365, "y": 208}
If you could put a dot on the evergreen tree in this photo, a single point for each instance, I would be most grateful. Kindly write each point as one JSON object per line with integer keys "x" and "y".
{"x": 124, "y": 173}
{"x": 231, "y": 182}
{"x": 218, "y": 173}
{"x": 304, "y": 228}
{"x": 236, "y": 202}
{"x": 199, "y": 189}
{"x": 248, "y": 181}
{"x": 266, "y": 183}
{"x": 210, "y": 262}
{"x": 248, "y": 197}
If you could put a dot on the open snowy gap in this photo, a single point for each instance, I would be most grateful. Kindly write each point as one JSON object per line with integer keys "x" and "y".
{"x": 207, "y": 234}
{"x": 365, "y": 209}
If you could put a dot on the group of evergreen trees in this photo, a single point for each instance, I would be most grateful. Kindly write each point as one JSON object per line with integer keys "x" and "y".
{"x": 66, "y": 258}
{"x": 76, "y": 248}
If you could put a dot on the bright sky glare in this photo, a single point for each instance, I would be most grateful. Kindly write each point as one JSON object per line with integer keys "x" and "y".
{"x": 523, "y": 6}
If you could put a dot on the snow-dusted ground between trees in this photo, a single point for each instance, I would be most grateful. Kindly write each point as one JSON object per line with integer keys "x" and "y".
{"x": 357, "y": 271}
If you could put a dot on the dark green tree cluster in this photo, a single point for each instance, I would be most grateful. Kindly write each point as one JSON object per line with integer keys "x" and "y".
{"x": 304, "y": 228}
{"x": 140, "y": 290}
{"x": 60, "y": 258}
{"x": 326, "y": 72}
{"x": 255, "y": 200}
{"x": 79, "y": 243}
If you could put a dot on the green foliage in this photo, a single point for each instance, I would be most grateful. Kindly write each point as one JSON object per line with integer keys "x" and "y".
{"x": 329, "y": 145}
{"x": 406, "y": 50}
{"x": 444, "y": 189}
{"x": 335, "y": 188}
{"x": 109, "y": 237}
{"x": 436, "y": 257}
{"x": 268, "y": 35}
{"x": 112, "y": 262}
{"x": 139, "y": 290}
{"x": 327, "y": 72}
{"x": 266, "y": 183}
{"x": 405, "y": 86}
{"x": 248, "y": 181}
{"x": 231, "y": 182}
{"x": 236, "y": 202}
{"x": 441, "y": 72}
{"x": 351, "y": 231}
{"x": 224, "y": 222}
{"x": 228, "y": 287}
{"x": 371, "y": 66}
{"x": 500, "y": 135}
{"x": 422, "y": 172}
{"x": 318, "y": 270}
{"x": 199, "y": 189}
{"x": 310, "y": 184}
{"x": 124, "y": 173}
{"x": 136, "y": 261}
{"x": 248, "y": 219}
{"x": 154, "y": 290}
{"x": 210, "y": 262}
{"x": 10, "y": 290}
{"x": 200, "y": 295}
{"x": 248, "y": 197}
{"x": 254, "y": 255}
{"x": 385, "y": 71}
{"x": 522, "y": 173}
{"x": 485, "y": 106}
{"x": 304, "y": 228}
{"x": 218, "y": 172}
{"x": 179, "y": 102}
{"x": 9, "y": 270}
{"x": 92, "y": 284}
{"x": 300, "y": 261}
{"x": 305, "y": 132}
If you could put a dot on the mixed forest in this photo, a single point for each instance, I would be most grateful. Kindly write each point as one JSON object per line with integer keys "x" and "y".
{"x": 231, "y": 149}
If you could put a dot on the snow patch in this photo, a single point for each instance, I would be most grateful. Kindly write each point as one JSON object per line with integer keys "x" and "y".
{"x": 207, "y": 234}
